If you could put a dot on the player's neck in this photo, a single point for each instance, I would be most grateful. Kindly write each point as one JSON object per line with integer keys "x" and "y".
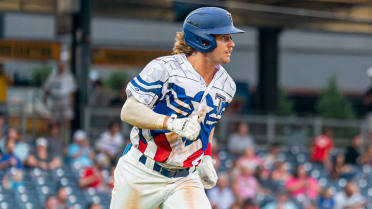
{"x": 203, "y": 66}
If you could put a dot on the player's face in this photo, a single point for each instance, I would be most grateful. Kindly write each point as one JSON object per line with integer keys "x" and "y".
{"x": 221, "y": 54}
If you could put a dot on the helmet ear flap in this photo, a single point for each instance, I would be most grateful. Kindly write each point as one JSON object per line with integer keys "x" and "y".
{"x": 200, "y": 41}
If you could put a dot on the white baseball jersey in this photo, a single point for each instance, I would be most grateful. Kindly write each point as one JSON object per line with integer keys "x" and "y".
{"x": 170, "y": 85}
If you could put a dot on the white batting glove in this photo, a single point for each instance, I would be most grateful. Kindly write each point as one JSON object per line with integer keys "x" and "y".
{"x": 185, "y": 127}
{"x": 207, "y": 172}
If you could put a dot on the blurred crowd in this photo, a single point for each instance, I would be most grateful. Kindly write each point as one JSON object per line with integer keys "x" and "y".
{"x": 247, "y": 178}
{"x": 94, "y": 162}
{"x": 271, "y": 179}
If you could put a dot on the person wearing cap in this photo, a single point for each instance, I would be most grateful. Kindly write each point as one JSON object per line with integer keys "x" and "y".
{"x": 79, "y": 153}
{"x": 41, "y": 159}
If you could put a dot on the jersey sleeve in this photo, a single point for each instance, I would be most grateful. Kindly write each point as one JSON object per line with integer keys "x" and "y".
{"x": 148, "y": 86}
{"x": 231, "y": 89}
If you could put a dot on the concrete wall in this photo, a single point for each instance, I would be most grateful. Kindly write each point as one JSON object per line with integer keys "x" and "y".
{"x": 308, "y": 59}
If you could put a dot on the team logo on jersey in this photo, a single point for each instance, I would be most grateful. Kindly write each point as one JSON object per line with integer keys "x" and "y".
{"x": 220, "y": 99}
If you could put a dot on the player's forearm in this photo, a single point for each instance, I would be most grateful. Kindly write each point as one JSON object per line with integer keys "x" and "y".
{"x": 141, "y": 116}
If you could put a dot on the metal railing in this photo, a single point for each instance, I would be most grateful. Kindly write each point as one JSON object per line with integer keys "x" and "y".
{"x": 264, "y": 129}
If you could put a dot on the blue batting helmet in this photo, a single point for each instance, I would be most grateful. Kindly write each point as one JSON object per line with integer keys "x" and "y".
{"x": 201, "y": 23}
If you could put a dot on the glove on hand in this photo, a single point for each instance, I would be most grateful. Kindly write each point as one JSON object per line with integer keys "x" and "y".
{"x": 185, "y": 127}
{"x": 207, "y": 172}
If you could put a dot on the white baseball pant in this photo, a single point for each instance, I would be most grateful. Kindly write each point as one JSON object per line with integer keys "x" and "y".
{"x": 138, "y": 187}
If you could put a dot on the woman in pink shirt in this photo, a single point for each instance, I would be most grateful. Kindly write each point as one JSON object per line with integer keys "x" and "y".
{"x": 245, "y": 185}
{"x": 302, "y": 184}
{"x": 249, "y": 159}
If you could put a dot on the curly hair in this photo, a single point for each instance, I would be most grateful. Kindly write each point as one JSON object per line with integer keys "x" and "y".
{"x": 180, "y": 46}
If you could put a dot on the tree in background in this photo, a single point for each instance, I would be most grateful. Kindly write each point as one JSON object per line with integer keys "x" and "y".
{"x": 117, "y": 80}
{"x": 40, "y": 74}
{"x": 285, "y": 105}
{"x": 332, "y": 104}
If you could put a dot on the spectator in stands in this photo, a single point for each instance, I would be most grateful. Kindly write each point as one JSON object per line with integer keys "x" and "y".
{"x": 3, "y": 125}
{"x": 55, "y": 143}
{"x": 5, "y": 82}
{"x": 245, "y": 185}
{"x": 249, "y": 204}
{"x": 100, "y": 96}
{"x": 272, "y": 157}
{"x": 279, "y": 175}
{"x": 13, "y": 179}
{"x": 353, "y": 151}
{"x": 110, "y": 179}
{"x": 302, "y": 184}
{"x": 366, "y": 158}
{"x": 62, "y": 197}
{"x": 249, "y": 159}
{"x": 111, "y": 141}
{"x": 310, "y": 205}
{"x": 340, "y": 169}
{"x": 350, "y": 198}
{"x": 221, "y": 196}
{"x": 41, "y": 159}
{"x": 94, "y": 206}
{"x": 281, "y": 202}
{"x": 9, "y": 160}
{"x": 93, "y": 176}
{"x": 13, "y": 165}
{"x": 326, "y": 200}
{"x": 262, "y": 175}
{"x": 59, "y": 90}
{"x": 236, "y": 205}
{"x": 280, "y": 172}
{"x": 12, "y": 134}
{"x": 50, "y": 202}
{"x": 322, "y": 147}
{"x": 21, "y": 149}
{"x": 79, "y": 153}
{"x": 215, "y": 154}
{"x": 240, "y": 140}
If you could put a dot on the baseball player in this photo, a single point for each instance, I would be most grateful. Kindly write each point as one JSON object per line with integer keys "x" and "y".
{"x": 174, "y": 105}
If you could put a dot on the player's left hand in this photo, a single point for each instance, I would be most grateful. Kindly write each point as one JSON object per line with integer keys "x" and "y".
{"x": 207, "y": 172}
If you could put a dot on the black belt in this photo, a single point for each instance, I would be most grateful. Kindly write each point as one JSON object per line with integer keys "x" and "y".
{"x": 165, "y": 172}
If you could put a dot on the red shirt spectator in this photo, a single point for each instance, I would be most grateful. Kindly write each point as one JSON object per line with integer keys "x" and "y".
{"x": 91, "y": 178}
{"x": 322, "y": 146}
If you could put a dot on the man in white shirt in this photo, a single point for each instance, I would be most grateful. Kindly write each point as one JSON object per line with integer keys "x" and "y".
{"x": 59, "y": 89}
{"x": 111, "y": 141}
{"x": 350, "y": 198}
{"x": 240, "y": 140}
{"x": 221, "y": 196}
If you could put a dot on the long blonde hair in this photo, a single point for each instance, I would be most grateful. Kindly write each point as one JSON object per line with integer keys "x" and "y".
{"x": 180, "y": 46}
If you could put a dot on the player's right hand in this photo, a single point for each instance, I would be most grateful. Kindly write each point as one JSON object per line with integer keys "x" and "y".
{"x": 185, "y": 127}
